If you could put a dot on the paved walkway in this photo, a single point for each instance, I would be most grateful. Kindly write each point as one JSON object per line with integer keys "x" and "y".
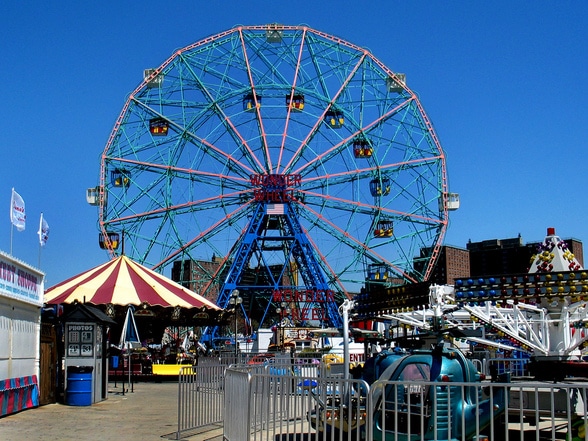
{"x": 148, "y": 413}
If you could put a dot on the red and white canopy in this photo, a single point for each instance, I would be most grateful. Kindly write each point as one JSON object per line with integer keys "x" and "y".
{"x": 124, "y": 282}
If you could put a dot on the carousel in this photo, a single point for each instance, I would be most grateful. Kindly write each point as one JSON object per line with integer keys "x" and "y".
{"x": 158, "y": 321}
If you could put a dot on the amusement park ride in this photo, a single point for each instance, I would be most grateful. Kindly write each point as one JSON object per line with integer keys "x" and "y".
{"x": 280, "y": 162}
{"x": 291, "y": 175}
{"x": 542, "y": 314}
{"x": 313, "y": 173}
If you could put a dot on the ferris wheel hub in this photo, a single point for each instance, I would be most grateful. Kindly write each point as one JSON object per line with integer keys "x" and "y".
{"x": 275, "y": 188}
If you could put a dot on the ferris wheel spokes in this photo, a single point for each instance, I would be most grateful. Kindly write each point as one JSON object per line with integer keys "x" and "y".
{"x": 361, "y": 249}
{"x": 302, "y": 123}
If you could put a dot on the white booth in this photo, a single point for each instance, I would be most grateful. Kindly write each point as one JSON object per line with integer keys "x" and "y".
{"x": 21, "y": 299}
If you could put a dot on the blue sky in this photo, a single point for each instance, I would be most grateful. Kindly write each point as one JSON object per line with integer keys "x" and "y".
{"x": 504, "y": 83}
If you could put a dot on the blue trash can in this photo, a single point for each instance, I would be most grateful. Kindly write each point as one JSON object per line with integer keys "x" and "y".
{"x": 79, "y": 385}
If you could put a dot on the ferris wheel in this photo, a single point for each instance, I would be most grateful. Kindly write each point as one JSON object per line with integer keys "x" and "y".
{"x": 275, "y": 159}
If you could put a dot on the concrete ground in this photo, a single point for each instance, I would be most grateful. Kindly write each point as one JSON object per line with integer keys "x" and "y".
{"x": 147, "y": 413}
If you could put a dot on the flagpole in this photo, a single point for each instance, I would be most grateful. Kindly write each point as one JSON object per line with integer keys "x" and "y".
{"x": 11, "y": 218}
{"x": 40, "y": 233}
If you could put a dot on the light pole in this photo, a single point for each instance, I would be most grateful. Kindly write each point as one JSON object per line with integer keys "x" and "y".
{"x": 235, "y": 300}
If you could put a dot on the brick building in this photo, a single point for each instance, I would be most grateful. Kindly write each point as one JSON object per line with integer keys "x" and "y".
{"x": 500, "y": 256}
{"x": 491, "y": 257}
{"x": 453, "y": 263}
{"x": 196, "y": 274}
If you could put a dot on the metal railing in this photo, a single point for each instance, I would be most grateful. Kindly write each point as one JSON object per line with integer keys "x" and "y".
{"x": 279, "y": 406}
{"x": 283, "y": 405}
{"x": 518, "y": 367}
{"x": 303, "y": 400}
{"x": 201, "y": 394}
{"x": 200, "y": 397}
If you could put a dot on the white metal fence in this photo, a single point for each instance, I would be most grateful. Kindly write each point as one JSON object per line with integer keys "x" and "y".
{"x": 201, "y": 394}
{"x": 312, "y": 402}
{"x": 200, "y": 397}
{"x": 286, "y": 406}
{"x": 518, "y": 367}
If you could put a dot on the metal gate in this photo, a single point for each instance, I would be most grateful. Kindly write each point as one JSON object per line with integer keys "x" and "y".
{"x": 200, "y": 397}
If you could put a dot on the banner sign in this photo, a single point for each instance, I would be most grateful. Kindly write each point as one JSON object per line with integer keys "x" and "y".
{"x": 17, "y": 211}
{"x": 43, "y": 231}
{"x": 20, "y": 282}
{"x": 80, "y": 340}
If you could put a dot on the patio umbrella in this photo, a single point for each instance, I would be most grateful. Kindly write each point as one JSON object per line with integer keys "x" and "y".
{"x": 129, "y": 337}
{"x": 124, "y": 282}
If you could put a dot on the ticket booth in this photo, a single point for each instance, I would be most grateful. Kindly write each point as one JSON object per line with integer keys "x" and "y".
{"x": 85, "y": 358}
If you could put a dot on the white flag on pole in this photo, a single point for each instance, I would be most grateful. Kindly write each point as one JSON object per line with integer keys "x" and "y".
{"x": 43, "y": 231}
{"x": 17, "y": 211}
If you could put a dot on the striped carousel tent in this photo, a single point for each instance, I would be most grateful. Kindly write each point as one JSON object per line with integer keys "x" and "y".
{"x": 124, "y": 282}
